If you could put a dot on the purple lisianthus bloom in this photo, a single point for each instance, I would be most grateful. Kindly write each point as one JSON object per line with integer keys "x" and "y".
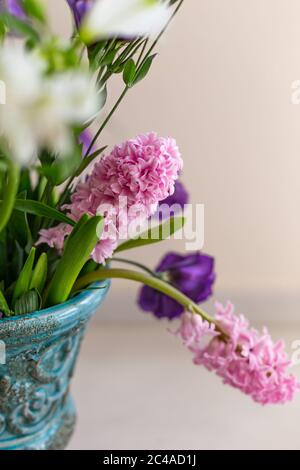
{"x": 79, "y": 9}
{"x": 13, "y": 7}
{"x": 180, "y": 196}
{"x": 193, "y": 274}
{"x": 173, "y": 204}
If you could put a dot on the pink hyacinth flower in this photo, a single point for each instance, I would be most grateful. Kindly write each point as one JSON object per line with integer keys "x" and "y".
{"x": 142, "y": 170}
{"x": 193, "y": 329}
{"x": 249, "y": 361}
{"x": 55, "y": 237}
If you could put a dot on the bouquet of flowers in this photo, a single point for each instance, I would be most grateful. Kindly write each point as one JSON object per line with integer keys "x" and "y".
{"x": 69, "y": 205}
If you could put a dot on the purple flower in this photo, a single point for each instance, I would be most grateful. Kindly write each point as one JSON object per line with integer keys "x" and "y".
{"x": 14, "y": 7}
{"x": 144, "y": 170}
{"x": 79, "y": 9}
{"x": 180, "y": 196}
{"x": 193, "y": 274}
{"x": 174, "y": 203}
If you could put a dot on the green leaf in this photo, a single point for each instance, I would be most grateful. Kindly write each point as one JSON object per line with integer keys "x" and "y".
{"x": 77, "y": 251}
{"x": 89, "y": 267}
{"x": 2, "y": 30}
{"x": 25, "y": 182}
{"x": 42, "y": 210}
{"x": 108, "y": 58}
{"x": 27, "y": 303}
{"x": 3, "y": 304}
{"x": 39, "y": 275}
{"x": 19, "y": 227}
{"x": 144, "y": 69}
{"x": 9, "y": 191}
{"x": 154, "y": 235}
{"x": 12, "y": 23}
{"x": 24, "y": 279}
{"x": 35, "y": 9}
{"x": 95, "y": 54}
{"x": 3, "y": 256}
{"x": 81, "y": 222}
{"x": 62, "y": 168}
{"x": 103, "y": 93}
{"x": 129, "y": 72}
{"x": 15, "y": 266}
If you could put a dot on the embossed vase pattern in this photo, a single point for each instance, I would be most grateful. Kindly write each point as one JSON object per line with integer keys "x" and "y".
{"x": 38, "y": 355}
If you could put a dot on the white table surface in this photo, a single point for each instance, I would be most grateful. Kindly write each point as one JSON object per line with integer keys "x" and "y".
{"x": 136, "y": 388}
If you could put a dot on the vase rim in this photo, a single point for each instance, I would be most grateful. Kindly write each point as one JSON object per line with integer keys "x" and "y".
{"x": 71, "y": 306}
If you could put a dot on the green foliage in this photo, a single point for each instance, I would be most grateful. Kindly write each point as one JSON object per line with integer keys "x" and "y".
{"x": 10, "y": 23}
{"x": 59, "y": 170}
{"x": 41, "y": 209}
{"x": 77, "y": 251}
{"x": 144, "y": 69}
{"x": 154, "y": 235}
{"x": 133, "y": 74}
{"x": 25, "y": 186}
{"x": 3, "y": 304}
{"x": 3, "y": 255}
{"x": 27, "y": 303}
{"x": 129, "y": 72}
{"x": 88, "y": 160}
{"x": 96, "y": 54}
{"x": 9, "y": 192}
{"x": 23, "y": 282}
{"x": 32, "y": 199}
{"x": 19, "y": 227}
{"x": 39, "y": 274}
{"x": 35, "y": 9}
{"x": 59, "y": 55}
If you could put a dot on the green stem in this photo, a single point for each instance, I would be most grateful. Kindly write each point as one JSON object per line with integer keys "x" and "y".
{"x": 154, "y": 282}
{"x": 142, "y": 52}
{"x": 129, "y": 51}
{"x": 9, "y": 193}
{"x": 47, "y": 192}
{"x": 44, "y": 199}
{"x": 63, "y": 196}
{"x": 107, "y": 119}
{"x": 138, "y": 69}
{"x": 136, "y": 264}
{"x": 162, "y": 32}
{"x": 129, "y": 54}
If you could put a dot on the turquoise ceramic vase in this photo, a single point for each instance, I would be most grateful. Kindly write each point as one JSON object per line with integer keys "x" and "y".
{"x": 37, "y": 360}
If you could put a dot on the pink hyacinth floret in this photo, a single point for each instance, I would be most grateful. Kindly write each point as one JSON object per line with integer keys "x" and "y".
{"x": 249, "y": 361}
{"x": 143, "y": 169}
{"x": 139, "y": 173}
{"x": 193, "y": 329}
{"x": 55, "y": 237}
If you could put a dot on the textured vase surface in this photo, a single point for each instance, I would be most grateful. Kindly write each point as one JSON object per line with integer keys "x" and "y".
{"x": 38, "y": 355}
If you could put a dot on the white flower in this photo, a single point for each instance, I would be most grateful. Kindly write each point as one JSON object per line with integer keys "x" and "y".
{"x": 124, "y": 18}
{"x": 40, "y": 109}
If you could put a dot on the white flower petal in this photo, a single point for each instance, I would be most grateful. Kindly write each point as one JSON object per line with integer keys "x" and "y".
{"x": 124, "y": 18}
{"x": 40, "y": 110}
